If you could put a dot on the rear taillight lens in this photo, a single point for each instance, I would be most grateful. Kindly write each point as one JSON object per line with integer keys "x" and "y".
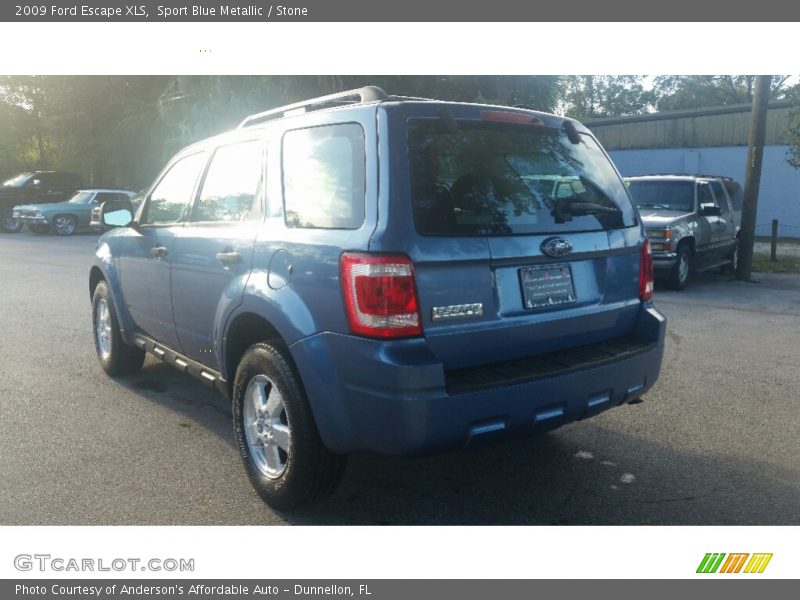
{"x": 380, "y": 296}
{"x": 646, "y": 272}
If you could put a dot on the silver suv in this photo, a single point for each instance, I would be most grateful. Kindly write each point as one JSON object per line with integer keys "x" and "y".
{"x": 692, "y": 221}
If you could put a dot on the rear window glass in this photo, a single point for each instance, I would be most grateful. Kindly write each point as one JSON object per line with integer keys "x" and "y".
{"x": 505, "y": 179}
{"x": 663, "y": 195}
{"x": 324, "y": 177}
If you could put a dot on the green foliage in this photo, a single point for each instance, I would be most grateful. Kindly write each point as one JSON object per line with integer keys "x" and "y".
{"x": 104, "y": 127}
{"x": 793, "y": 131}
{"x": 591, "y": 96}
{"x": 676, "y": 92}
{"x": 196, "y": 107}
{"x": 119, "y": 130}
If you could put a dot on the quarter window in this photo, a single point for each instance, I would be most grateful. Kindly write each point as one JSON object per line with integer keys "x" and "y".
{"x": 170, "y": 200}
{"x": 324, "y": 177}
{"x": 232, "y": 186}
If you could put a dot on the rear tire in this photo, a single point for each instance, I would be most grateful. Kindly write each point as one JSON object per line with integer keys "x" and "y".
{"x": 732, "y": 266}
{"x": 679, "y": 275}
{"x": 285, "y": 459}
{"x": 115, "y": 356}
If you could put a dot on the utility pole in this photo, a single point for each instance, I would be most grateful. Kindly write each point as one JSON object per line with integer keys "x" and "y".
{"x": 752, "y": 179}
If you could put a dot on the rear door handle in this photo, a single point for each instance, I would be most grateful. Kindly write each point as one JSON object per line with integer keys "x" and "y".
{"x": 229, "y": 257}
{"x": 158, "y": 251}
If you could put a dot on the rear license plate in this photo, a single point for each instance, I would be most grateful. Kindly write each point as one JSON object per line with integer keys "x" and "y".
{"x": 546, "y": 285}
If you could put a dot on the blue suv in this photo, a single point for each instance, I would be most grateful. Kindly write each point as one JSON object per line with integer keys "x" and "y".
{"x": 365, "y": 272}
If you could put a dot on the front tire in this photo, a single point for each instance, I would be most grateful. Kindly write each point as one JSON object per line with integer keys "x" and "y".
{"x": 285, "y": 459}
{"x": 9, "y": 224}
{"x": 115, "y": 356}
{"x": 679, "y": 275}
{"x": 65, "y": 224}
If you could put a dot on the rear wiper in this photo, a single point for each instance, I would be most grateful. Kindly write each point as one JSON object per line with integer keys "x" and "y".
{"x": 564, "y": 210}
{"x": 590, "y": 208}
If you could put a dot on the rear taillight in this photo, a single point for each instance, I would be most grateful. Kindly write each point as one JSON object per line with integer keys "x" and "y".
{"x": 379, "y": 295}
{"x": 646, "y": 272}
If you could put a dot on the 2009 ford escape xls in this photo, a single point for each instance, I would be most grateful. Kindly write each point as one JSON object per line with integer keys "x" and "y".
{"x": 365, "y": 272}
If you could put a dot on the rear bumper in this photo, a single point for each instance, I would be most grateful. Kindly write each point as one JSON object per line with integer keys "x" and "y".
{"x": 32, "y": 220}
{"x": 393, "y": 398}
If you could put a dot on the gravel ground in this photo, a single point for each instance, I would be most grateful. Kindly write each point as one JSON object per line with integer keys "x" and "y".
{"x": 784, "y": 248}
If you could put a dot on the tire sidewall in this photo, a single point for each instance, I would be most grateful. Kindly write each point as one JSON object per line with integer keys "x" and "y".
{"x": 295, "y": 485}
{"x": 675, "y": 281}
{"x": 101, "y": 293}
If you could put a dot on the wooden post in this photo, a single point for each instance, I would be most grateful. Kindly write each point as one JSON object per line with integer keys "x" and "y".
{"x": 752, "y": 180}
{"x": 773, "y": 249}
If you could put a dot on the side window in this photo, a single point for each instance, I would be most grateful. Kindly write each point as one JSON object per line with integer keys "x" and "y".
{"x": 105, "y": 196}
{"x": 324, "y": 177}
{"x": 704, "y": 197}
{"x": 233, "y": 183}
{"x": 45, "y": 179}
{"x": 169, "y": 202}
{"x": 719, "y": 195}
{"x": 735, "y": 193}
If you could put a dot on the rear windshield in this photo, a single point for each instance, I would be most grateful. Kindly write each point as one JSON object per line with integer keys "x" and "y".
{"x": 663, "y": 195}
{"x": 506, "y": 179}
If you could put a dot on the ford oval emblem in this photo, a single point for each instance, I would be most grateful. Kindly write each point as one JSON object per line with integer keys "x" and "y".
{"x": 556, "y": 247}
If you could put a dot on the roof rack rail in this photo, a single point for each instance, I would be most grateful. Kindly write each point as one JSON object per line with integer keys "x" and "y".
{"x": 676, "y": 174}
{"x": 368, "y": 93}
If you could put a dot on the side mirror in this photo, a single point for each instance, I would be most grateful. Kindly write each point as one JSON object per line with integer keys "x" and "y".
{"x": 36, "y": 183}
{"x": 710, "y": 210}
{"x": 116, "y": 213}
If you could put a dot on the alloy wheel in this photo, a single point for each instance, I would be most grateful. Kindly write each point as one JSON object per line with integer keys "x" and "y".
{"x": 266, "y": 427}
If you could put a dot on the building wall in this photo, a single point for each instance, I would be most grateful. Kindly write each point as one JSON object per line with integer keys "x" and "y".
{"x": 779, "y": 195}
{"x": 698, "y": 128}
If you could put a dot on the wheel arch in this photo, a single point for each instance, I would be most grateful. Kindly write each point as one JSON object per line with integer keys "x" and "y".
{"x": 96, "y": 275}
{"x": 104, "y": 269}
{"x": 690, "y": 241}
{"x": 243, "y": 330}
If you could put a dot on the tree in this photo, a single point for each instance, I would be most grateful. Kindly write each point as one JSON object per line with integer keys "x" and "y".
{"x": 119, "y": 130}
{"x": 100, "y": 126}
{"x": 677, "y": 92}
{"x": 793, "y": 130}
{"x": 196, "y": 107}
{"x": 591, "y": 96}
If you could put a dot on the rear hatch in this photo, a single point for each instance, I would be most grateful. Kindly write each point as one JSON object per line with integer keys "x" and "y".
{"x": 522, "y": 235}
